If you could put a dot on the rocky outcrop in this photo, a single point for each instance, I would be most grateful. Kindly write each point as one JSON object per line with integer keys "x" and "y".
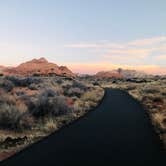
{"x": 108, "y": 74}
{"x": 39, "y": 67}
{"x": 131, "y": 73}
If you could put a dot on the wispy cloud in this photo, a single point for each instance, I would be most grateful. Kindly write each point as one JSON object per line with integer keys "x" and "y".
{"x": 131, "y": 51}
{"x": 99, "y": 44}
{"x": 79, "y": 45}
{"x": 161, "y": 57}
{"x": 148, "y": 41}
{"x": 137, "y": 50}
{"x": 106, "y": 44}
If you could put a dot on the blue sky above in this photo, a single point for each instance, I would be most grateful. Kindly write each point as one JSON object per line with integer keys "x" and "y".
{"x": 80, "y": 32}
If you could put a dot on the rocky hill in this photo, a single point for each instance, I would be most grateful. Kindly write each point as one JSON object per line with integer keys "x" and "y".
{"x": 2, "y": 68}
{"x": 38, "y": 67}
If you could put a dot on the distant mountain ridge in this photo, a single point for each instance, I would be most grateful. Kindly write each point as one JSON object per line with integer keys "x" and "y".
{"x": 121, "y": 73}
{"x": 37, "y": 67}
{"x": 132, "y": 73}
{"x": 41, "y": 67}
{"x": 108, "y": 74}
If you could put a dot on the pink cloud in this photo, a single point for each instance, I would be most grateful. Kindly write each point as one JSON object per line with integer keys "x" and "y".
{"x": 131, "y": 52}
{"x": 107, "y": 44}
{"x": 136, "y": 50}
{"x": 161, "y": 57}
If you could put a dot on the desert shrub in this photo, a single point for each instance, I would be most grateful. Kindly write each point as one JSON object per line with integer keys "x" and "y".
{"x": 28, "y": 101}
{"x": 36, "y": 74}
{"x": 77, "y": 84}
{"x": 148, "y": 97}
{"x": 11, "y": 112}
{"x": 164, "y": 121}
{"x": 74, "y": 92}
{"x": 23, "y": 81}
{"x": 49, "y": 104}
{"x": 33, "y": 86}
{"x": 150, "y": 90}
{"x": 66, "y": 87}
{"x": 78, "y": 106}
{"x": 158, "y": 121}
{"x": 50, "y": 125}
{"x": 48, "y": 93}
{"x": 8, "y": 99}
{"x": 164, "y": 94}
{"x": 96, "y": 83}
{"x": 20, "y": 93}
{"x": 9, "y": 116}
{"x": 89, "y": 105}
{"x": 59, "y": 81}
{"x": 74, "y": 98}
{"x": 158, "y": 99}
{"x": 25, "y": 121}
{"x": 74, "y": 88}
{"x": 91, "y": 96}
{"x": 130, "y": 87}
{"x": 12, "y": 100}
{"x": 6, "y": 85}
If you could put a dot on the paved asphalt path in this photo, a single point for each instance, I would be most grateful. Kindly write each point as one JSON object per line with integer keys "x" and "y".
{"x": 118, "y": 132}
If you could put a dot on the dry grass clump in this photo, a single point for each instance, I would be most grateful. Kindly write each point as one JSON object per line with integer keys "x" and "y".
{"x": 93, "y": 96}
{"x": 88, "y": 100}
{"x": 159, "y": 120}
{"x": 50, "y": 126}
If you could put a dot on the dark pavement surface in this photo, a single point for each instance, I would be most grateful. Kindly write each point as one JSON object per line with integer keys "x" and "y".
{"x": 118, "y": 132}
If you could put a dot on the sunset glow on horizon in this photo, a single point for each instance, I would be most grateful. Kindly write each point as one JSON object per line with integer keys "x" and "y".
{"x": 94, "y": 68}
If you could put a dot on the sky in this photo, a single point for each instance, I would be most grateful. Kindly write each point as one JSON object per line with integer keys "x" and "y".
{"x": 85, "y": 35}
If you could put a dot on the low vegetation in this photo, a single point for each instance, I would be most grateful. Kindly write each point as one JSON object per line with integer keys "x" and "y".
{"x": 33, "y": 107}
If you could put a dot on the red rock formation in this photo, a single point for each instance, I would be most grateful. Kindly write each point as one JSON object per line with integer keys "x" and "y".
{"x": 37, "y": 67}
{"x": 108, "y": 74}
{"x": 2, "y": 68}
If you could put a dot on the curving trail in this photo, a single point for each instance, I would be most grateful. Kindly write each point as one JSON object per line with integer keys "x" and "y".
{"x": 118, "y": 132}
